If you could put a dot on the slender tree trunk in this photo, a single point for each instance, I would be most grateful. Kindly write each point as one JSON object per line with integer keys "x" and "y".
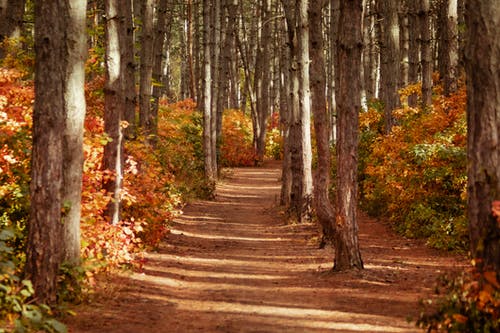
{"x": 74, "y": 95}
{"x": 198, "y": 49}
{"x": 114, "y": 104}
{"x": 234, "y": 94}
{"x": 57, "y": 128}
{"x": 426, "y": 52}
{"x": 128, "y": 67}
{"x": 192, "y": 79}
{"x": 324, "y": 209}
{"x": 404, "y": 43}
{"x": 285, "y": 110}
{"x": 215, "y": 91}
{"x": 369, "y": 51}
{"x": 262, "y": 80}
{"x": 413, "y": 51}
{"x": 210, "y": 168}
{"x": 146, "y": 120}
{"x": 389, "y": 59}
{"x": 347, "y": 255}
{"x": 162, "y": 25}
{"x": 305, "y": 111}
{"x": 449, "y": 45}
{"x": 483, "y": 139}
{"x": 335, "y": 17}
{"x": 300, "y": 138}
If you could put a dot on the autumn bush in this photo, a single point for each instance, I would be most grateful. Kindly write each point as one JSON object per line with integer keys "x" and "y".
{"x": 468, "y": 303}
{"x": 236, "y": 147}
{"x": 416, "y": 175}
{"x": 274, "y": 139}
{"x": 150, "y": 201}
{"x": 180, "y": 147}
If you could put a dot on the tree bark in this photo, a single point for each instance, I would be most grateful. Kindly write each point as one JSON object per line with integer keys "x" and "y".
{"x": 146, "y": 120}
{"x": 206, "y": 105}
{"x": 483, "y": 136}
{"x": 347, "y": 255}
{"x": 389, "y": 59}
{"x": 57, "y": 128}
{"x": 114, "y": 104}
{"x": 74, "y": 97}
{"x": 262, "y": 80}
{"x": 448, "y": 57}
{"x": 128, "y": 67}
{"x": 299, "y": 129}
{"x": 285, "y": 110}
{"x": 404, "y": 43}
{"x": 192, "y": 79}
{"x": 369, "y": 52}
{"x": 161, "y": 27}
{"x": 426, "y": 52}
{"x": 413, "y": 51}
{"x": 324, "y": 209}
{"x": 306, "y": 185}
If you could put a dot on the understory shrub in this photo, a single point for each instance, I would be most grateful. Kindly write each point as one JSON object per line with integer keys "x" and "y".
{"x": 274, "y": 139}
{"x": 150, "y": 201}
{"x": 416, "y": 175}
{"x": 468, "y": 303}
{"x": 236, "y": 146}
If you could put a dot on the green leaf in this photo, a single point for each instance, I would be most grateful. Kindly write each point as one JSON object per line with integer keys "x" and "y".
{"x": 56, "y": 326}
{"x": 25, "y": 293}
{"x": 33, "y": 314}
{"x": 29, "y": 285}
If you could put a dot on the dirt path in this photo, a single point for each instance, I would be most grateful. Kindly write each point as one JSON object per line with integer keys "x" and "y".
{"x": 233, "y": 266}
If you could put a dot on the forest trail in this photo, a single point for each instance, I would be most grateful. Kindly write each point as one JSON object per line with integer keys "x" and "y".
{"x": 232, "y": 265}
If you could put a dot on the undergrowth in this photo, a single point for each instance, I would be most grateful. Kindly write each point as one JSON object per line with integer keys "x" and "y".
{"x": 157, "y": 180}
{"x": 416, "y": 175}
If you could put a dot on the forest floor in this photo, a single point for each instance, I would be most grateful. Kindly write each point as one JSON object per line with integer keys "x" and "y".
{"x": 233, "y": 265}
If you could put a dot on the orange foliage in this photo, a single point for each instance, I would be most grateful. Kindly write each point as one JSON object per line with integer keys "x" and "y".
{"x": 237, "y": 140}
{"x": 416, "y": 175}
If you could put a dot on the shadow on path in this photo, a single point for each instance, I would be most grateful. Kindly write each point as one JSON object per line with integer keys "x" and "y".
{"x": 232, "y": 265}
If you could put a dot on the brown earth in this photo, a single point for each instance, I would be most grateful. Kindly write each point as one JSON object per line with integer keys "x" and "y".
{"x": 233, "y": 265}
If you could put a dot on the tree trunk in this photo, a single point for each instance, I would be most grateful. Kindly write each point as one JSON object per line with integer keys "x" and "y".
{"x": 11, "y": 20}
{"x": 347, "y": 255}
{"x": 128, "y": 67}
{"x": 305, "y": 111}
{"x": 161, "y": 27}
{"x": 285, "y": 110}
{"x": 335, "y": 17}
{"x": 262, "y": 80}
{"x": 426, "y": 52}
{"x": 369, "y": 52}
{"x": 192, "y": 79}
{"x": 215, "y": 40}
{"x": 449, "y": 45}
{"x": 57, "y": 128}
{"x": 206, "y": 105}
{"x": 146, "y": 120}
{"x": 483, "y": 139}
{"x": 299, "y": 129}
{"x": 413, "y": 51}
{"x": 114, "y": 104}
{"x": 74, "y": 95}
{"x": 324, "y": 209}
{"x": 404, "y": 41}
{"x": 389, "y": 59}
